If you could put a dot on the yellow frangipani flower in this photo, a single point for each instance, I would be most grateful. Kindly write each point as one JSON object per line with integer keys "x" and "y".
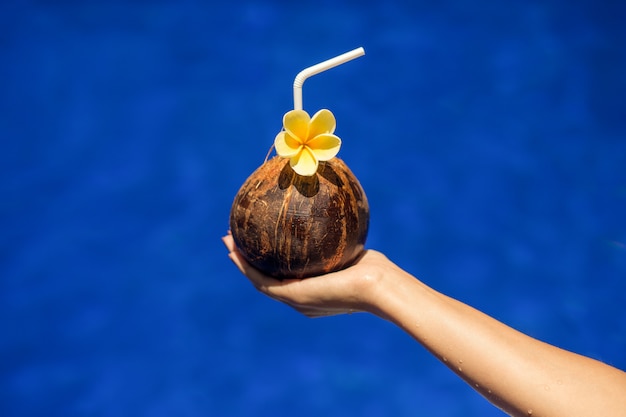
{"x": 306, "y": 141}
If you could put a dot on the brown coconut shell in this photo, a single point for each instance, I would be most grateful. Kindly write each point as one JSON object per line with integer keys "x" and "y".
{"x": 292, "y": 226}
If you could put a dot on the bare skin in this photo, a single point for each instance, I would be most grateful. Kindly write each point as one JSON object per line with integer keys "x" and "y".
{"x": 520, "y": 375}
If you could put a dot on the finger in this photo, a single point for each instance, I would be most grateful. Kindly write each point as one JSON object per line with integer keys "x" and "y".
{"x": 280, "y": 290}
{"x": 229, "y": 242}
{"x": 261, "y": 281}
{"x": 237, "y": 261}
{"x": 236, "y": 257}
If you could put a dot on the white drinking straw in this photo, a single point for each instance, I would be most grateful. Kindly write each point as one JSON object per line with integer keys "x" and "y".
{"x": 316, "y": 69}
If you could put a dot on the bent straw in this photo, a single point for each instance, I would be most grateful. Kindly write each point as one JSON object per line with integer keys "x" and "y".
{"x": 316, "y": 69}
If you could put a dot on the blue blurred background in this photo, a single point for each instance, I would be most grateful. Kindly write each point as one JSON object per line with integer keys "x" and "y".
{"x": 489, "y": 136}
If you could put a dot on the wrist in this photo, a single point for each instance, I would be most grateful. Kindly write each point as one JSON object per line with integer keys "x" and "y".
{"x": 381, "y": 282}
{"x": 396, "y": 294}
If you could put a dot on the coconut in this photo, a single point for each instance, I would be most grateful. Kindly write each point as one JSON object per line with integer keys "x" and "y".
{"x": 293, "y": 226}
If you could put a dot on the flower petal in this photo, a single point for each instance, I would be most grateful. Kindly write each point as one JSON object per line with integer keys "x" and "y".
{"x": 322, "y": 122}
{"x": 286, "y": 146}
{"x": 304, "y": 163}
{"x": 324, "y": 147}
{"x": 296, "y": 123}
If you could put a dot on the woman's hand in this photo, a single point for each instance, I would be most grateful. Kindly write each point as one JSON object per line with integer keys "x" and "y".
{"x": 353, "y": 289}
{"x": 517, "y": 373}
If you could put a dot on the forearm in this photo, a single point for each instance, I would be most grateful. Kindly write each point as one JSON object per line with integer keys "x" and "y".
{"x": 517, "y": 373}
